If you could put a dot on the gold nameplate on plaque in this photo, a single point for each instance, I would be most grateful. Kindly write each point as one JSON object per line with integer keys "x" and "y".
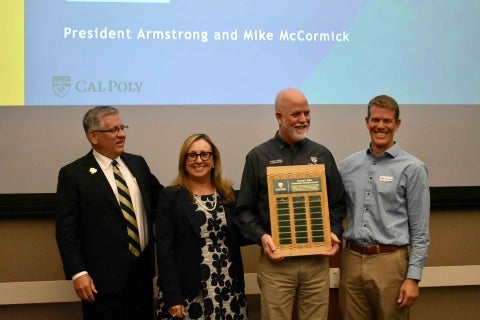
{"x": 299, "y": 215}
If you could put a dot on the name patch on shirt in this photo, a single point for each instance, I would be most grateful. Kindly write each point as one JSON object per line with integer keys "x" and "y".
{"x": 386, "y": 178}
{"x": 276, "y": 161}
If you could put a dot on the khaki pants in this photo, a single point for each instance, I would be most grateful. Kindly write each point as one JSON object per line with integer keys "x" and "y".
{"x": 370, "y": 285}
{"x": 303, "y": 278}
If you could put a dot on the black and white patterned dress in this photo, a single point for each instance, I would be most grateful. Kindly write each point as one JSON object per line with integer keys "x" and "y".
{"x": 220, "y": 297}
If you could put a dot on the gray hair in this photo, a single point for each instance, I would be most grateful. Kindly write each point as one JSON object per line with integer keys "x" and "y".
{"x": 93, "y": 117}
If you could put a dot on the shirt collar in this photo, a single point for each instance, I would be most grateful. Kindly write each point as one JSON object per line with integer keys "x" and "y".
{"x": 106, "y": 162}
{"x": 393, "y": 151}
{"x": 283, "y": 144}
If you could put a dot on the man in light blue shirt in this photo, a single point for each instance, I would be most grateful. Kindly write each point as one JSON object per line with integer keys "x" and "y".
{"x": 387, "y": 234}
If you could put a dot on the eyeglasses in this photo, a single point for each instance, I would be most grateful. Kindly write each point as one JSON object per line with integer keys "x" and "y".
{"x": 114, "y": 130}
{"x": 192, "y": 156}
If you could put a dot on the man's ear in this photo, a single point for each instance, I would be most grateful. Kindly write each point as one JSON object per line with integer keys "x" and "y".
{"x": 92, "y": 137}
{"x": 278, "y": 115}
{"x": 397, "y": 122}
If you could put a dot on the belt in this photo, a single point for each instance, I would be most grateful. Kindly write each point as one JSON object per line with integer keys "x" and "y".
{"x": 373, "y": 249}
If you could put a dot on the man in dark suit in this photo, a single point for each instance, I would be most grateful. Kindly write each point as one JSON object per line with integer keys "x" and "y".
{"x": 104, "y": 223}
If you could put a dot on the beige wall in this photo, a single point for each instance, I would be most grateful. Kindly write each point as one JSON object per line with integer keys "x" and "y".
{"x": 158, "y": 132}
{"x": 29, "y": 253}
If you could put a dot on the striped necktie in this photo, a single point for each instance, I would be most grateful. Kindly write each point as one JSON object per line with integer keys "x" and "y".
{"x": 127, "y": 210}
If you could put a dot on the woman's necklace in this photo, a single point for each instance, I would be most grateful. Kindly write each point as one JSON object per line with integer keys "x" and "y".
{"x": 199, "y": 201}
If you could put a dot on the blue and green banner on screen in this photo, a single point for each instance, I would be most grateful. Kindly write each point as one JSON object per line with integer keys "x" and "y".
{"x": 171, "y": 52}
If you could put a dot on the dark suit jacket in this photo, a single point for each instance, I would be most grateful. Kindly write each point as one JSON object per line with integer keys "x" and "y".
{"x": 179, "y": 246}
{"x": 90, "y": 228}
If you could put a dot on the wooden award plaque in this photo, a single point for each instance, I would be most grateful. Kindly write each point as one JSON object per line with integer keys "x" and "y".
{"x": 299, "y": 215}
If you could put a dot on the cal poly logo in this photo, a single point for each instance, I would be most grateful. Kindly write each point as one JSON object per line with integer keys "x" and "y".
{"x": 61, "y": 86}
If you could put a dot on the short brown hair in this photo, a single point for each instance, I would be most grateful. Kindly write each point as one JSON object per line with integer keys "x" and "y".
{"x": 384, "y": 101}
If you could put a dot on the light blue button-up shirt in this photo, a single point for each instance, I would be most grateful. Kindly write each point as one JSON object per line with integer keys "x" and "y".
{"x": 388, "y": 201}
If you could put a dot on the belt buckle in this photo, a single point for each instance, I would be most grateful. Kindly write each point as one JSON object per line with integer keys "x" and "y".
{"x": 378, "y": 248}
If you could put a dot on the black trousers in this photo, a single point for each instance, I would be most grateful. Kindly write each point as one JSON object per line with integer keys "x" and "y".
{"x": 134, "y": 302}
